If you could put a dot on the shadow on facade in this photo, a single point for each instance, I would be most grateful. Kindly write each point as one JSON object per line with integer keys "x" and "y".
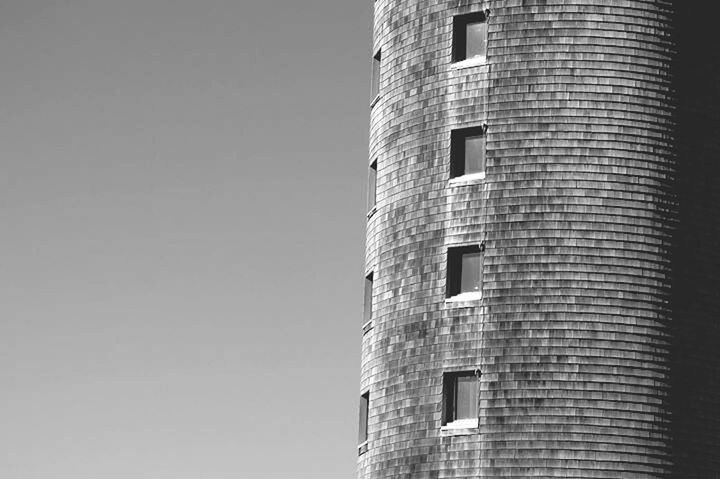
{"x": 696, "y": 252}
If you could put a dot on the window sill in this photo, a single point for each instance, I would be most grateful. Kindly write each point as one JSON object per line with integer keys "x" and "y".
{"x": 465, "y": 180}
{"x": 362, "y": 448}
{"x": 470, "y": 62}
{"x": 372, "y": 211}
{"x": 367, "y": 327}
{"x": 464, "y": 297}
{"x": 375, "y": 100}
{"x": 461, "y": 427}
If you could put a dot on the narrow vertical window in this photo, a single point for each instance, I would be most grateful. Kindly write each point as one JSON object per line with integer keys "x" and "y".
{"x": 363, "y": 424}
{"x": 470, "y": 274}
{"x": 460, "y": 399}
{"x": 368, "y": 298}
{"x": 476, "y": 39}
{"x": 372, "y": 185}
{"x": 466, "y": 395}
{"x": 376, "y": 75}
{"x": 464, "y": 272}
{"x": 467, "y": 151}
{"x": 470, "y": 36}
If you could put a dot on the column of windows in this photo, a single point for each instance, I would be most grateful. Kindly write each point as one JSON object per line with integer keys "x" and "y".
{"x": 369, "y": 278}
{"x": 467, "y": 157}
{"x": 464, "y": 263}
{"x": 464, "y": 271}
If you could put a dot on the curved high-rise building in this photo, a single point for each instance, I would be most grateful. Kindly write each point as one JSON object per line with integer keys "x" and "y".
{"x": 525, "y": 245}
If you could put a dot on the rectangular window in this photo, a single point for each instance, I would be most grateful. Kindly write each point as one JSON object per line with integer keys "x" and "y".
{"x": 372, "y": 185}
{"x": 368, "y": 298}
{"x": 363, "y": 426}
{"x": 467, "y": 151}
{"x": 469, "y": 36}
{"x": 464, "y": 272}
{"x": 470, "y": 274}
{"x": 376, "y": 75}
{"x": 460, "y": 399}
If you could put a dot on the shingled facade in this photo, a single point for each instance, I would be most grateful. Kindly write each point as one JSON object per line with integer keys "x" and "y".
{"x": 590, "y": 327}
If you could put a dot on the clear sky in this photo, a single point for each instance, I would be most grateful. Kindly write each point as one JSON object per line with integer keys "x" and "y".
{"x": 182, "y": 199}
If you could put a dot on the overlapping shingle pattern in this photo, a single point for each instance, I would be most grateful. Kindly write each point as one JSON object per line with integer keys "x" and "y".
{"x": 572, "y": 334}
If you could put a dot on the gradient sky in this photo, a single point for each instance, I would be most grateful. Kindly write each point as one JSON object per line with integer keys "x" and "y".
{"x": 182, "y": 201}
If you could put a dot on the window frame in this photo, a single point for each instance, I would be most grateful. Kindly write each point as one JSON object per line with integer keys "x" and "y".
{"x": 364, "y": 418}
{"x": 458, "y": 153}
{"x": 367, "y": 300}
{"x": 453, "y": 276}
{"x": 459, "y": 35}
{"x": 372, "y": 186}
{"x": 375, "y": 76}
{"x": 449, "y": 400}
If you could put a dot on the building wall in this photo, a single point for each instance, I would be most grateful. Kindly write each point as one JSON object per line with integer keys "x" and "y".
{"x": 577, "y": 214}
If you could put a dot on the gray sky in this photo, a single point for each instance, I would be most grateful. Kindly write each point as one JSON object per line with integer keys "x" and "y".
{"x": 182, "y": 206}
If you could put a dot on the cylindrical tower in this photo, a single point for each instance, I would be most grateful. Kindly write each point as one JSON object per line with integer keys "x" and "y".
{"x": 518, "y": 253}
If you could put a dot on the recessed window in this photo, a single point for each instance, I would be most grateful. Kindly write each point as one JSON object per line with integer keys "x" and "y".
{"x": 367, "y": 316}
{"x": 464, "y": 272}
{"x": 363, "y": 425}
{"x": 460, "y": 399}
{"x": 467, "y": 151}
{"x": 376, "y": 75}
{"x": 470, "y": 36}
{"x": 372, "y": 185}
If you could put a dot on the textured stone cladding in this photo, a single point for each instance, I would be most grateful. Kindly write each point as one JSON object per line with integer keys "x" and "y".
{"x": 572, "y": 336}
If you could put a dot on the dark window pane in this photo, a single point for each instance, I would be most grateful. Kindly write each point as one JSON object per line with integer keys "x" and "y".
{"x": 470, "y": 278}
{"x": 363, "y": 427}
{"x": 368, "y": 298}
{"x": 467, "y": 151}
{"x": 376, "y": 75}
{"x": 372, "y": 186}
{"x": 476, "y": 35}
{"x": 474, "y": 154}
{"x": 466, "y": 394}
{"x": 448, "y": 412}
{"x": 464, "y": 270}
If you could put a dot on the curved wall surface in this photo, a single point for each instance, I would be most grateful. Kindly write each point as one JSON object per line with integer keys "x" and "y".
{"x": 576, "y": 213}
